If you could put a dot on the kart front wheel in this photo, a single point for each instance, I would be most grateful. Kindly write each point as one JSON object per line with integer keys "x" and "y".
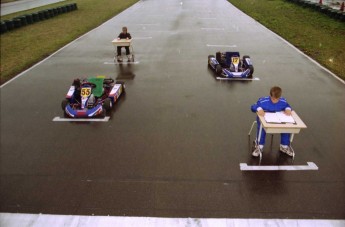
{"x": 107, "y": 104}
{"x": 64, "y": 103}
{"x": 103, "y": 114}
{"x": 251, "y": 68}
{"x": 219, "y": 70}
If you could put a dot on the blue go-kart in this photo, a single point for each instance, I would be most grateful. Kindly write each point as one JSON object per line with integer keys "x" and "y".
{"x": 92, "y": 97}
{"x": 230, "y": 65}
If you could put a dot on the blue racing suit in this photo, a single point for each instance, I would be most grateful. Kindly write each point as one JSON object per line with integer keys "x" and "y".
{"x": 267, "y": 105}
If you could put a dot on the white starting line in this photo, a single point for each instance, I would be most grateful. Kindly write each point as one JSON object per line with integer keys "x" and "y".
{"x": 121, "y": 63}
{"x": 213, "y": 45}
{"x": 218, "y": 29}
{"x": 310, "y": 166}
{"x": 81, "y": 119}
{"x": 136, "y": 38}
{"x": 207, "y": 18}
{"x": 43, "y": 220}
{"x": 225, "y": 78}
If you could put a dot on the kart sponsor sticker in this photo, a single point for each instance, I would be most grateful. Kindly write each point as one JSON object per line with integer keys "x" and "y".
{"x": 249, "y": 62}
{"x": 70, "y": 92}
{"x": 117, "y": 89}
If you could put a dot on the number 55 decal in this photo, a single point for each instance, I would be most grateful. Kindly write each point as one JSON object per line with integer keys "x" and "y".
{"x": 85, "y": 92}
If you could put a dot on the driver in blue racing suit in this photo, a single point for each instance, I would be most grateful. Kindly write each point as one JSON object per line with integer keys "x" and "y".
{"x": 272, "y": 103}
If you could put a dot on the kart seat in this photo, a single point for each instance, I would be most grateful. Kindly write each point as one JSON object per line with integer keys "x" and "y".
{"x": 98, "y": 90}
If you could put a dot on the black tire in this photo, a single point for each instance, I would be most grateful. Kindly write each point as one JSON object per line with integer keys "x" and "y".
{"x": 245, "y": 56}
{"x": 29, "y": 19}
{"x": 9, "y": 24}
{"x": 51, "y": 13}
{"x": 41, "y": 15}
{"x": 219, "y": 56}
{"x": 65, "y": 115}
{"x": 35, "y": 17}
{"x": 3, "y": 27}
{"x": 103, "y": 114}
{"x": 46, "y": 14}
{"x": 64, "y": 103}
{"x": 68, "y": 8}
{"x": 218, "y": 69}
{"x": 22, "y": 20}
{"x": 251, "y": 68}
{"x": 17, "y": 23}
{"x": 108, "y": 105}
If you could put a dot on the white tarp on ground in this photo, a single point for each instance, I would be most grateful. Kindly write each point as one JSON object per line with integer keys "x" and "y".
{"x": 43, "y": 220}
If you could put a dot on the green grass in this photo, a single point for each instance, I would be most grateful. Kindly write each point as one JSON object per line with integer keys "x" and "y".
{"x": 23, "y": 47}
{"x": 317, "y": 35}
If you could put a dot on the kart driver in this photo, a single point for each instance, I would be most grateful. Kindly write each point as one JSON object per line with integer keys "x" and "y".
{"x": 272, "y": 103}
{"x": 123, "y": 35}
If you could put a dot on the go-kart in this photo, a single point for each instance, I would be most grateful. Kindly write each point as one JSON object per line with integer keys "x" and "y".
{"x": 230, "y": 65}
{"x": 92, "y": 97}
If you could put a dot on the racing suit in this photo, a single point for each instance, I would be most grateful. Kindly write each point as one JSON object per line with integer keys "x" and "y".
{"x": 267, "y": 105}
{"x": 123, "y": 36}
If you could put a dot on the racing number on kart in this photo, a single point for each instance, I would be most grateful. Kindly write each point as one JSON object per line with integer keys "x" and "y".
{"x": 235, "y": 60}
{"x": 85, "y": 92}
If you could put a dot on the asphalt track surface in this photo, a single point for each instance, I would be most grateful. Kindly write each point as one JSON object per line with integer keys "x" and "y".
{"x": 174, "y": 143}
{"x": 12, "y": 7}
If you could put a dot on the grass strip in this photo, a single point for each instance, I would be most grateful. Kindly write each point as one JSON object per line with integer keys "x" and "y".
{"x": 23, "y": 47}
{"x": 316, "y": 34}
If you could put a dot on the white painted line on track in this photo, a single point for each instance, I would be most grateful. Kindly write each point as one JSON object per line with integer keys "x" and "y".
{"x": 207, "y": 18}
{"x": 142, "y": 38}
{"x": 42, "y": 220}
{"x": 222, "y": 29}
{"x": 215, "y": 45}
{"x": 149, "y": 24}
{"x": 81, "y": 119}
{"x": 121, "y": 63}
{"x": 224, "y": 78}
{"x": 310, "y": 166}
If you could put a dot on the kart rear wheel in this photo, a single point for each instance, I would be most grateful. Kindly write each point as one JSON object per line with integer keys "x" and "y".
{"x": 251, "y": 68}
{"x": 107, "y": 104}
{"x": 219, "y": 69}
{"x": 64, "y": 103}
{"x": 103, "y": 114}
{"x": 65, "y": 115}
